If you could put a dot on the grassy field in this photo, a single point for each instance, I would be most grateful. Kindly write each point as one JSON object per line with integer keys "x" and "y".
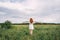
{"x": 21, "y": 32}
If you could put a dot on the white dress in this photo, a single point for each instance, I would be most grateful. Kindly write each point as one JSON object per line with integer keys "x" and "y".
{"x": 31, "y": 26}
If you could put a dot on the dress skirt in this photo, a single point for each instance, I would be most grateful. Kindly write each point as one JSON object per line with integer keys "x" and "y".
{"x": 31, "y": 26}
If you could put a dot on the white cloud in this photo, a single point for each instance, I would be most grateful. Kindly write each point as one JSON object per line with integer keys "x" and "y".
{"x": 14, "y": 20}
{"x": 10, "y": 5}
{"x": 35, "y": 8}
{"x": 2, "y": 13}
{"x": 28, "y": 7}
{"x": 53, "y": 18}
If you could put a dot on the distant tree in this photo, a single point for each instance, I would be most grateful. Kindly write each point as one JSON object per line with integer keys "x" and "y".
{"x": 6, "y": 24}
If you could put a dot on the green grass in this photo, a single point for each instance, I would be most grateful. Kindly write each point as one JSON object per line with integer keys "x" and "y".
{"x": 21, "y": 32}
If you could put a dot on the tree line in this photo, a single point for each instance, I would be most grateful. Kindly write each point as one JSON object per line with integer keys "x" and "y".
{"x": 8, "y": 24}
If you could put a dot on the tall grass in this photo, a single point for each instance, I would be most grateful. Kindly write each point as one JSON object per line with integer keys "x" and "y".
{"x": 21, "y": 32}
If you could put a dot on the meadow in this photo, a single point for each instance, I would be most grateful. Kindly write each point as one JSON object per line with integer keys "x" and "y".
{"x": 21, "y": 32}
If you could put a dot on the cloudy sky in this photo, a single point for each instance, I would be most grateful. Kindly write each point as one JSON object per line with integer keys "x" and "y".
{"x": 21, "y": 10}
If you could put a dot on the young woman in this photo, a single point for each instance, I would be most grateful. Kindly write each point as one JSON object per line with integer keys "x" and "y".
{"x": 31, "y": 27}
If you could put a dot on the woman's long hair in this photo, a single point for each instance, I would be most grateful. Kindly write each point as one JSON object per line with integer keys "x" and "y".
{"x": 31, "y": 20}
